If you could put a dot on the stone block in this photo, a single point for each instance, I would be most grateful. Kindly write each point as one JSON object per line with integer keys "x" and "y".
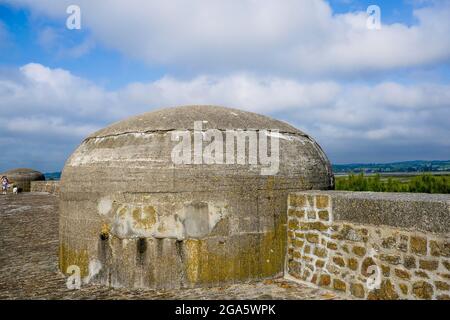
{"x": 318, "y": 226}
{"x": 339, "y": 285}
{"x": 440, "y": 248}
{"x": 339, "y": 261}
{"x": 423, "y": 290}
{"x": 409, "y": 262}
{"x": 293, "y": 224}
{"x": 297, "y": 200}
{"x": 443, "y": 286}
{"x": 389, "y": 242}
{"x": 387, "y": 291}
{"x": 320, "y": 252}
{"x": 322, "y": 201}
{"x": 386, "y": 270}
{"x": 298, "y": 243}
{"x": 324, "y": 280}
{"x": 352, "y": 264}
{"x": 332, "y": 246}
{"x": 311, "y": 214}
{"x": 357, "y": 290}
{"x": 403, "y": 288}
{"x": 430, "y": 265}
{"x": 359, "y": 251}
{"x": 421, "y": 274}
{"x": 402, "y": 274}
{"x": 320, "y": 263}
{"x": 312, "y": 237}
{"x": 446, "y": 264}
{"x": 418, "y": 245}
{"x": 390, "y": 258}
{"x": 324, "y": 215}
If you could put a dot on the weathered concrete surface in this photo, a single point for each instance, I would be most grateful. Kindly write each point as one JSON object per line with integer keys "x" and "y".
{"x": 22, "y": 178}
{"x": 152, "y": 224}
{"x": 169, "y": 119}
{"x": 29, "y": 263}
{"x": 50, "y": 186}
{"x": 424, "y": 212}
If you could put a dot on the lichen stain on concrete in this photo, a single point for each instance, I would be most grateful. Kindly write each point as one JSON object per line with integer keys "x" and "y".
{"x": 144, "y": 217}
{"x": 134, "y": 221}
{"x": 257, "y": 257}
{"x": 196, "y": 262}
{"x": 68, "y": 257}
{"x": 105, "y": 231}
{"x": 192, "y": 220}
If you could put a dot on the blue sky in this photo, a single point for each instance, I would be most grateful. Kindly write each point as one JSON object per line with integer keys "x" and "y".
{"x": 365, "y": 95}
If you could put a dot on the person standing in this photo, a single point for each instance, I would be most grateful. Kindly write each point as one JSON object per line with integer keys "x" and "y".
{"x": 5, "y": 184}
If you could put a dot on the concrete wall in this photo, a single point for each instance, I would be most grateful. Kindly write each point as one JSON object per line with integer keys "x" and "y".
{"x": 50, "y": 186}
{"x": 371, "y": 245}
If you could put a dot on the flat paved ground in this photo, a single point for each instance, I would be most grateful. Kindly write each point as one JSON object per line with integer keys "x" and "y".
{"x": 28, "y": 263}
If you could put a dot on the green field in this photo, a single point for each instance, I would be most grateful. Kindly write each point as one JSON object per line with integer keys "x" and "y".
{"x": 423, "y": 183}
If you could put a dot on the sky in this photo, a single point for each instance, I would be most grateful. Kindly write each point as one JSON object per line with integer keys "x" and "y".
{"x": 365, "y": 94}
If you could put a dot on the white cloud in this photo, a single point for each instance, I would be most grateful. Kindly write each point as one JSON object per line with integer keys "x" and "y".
{"x": 38, "y": 90}
{"x": 47, "y": 126}
{"x": 54, "y": 109}
{"x": 54, "y": 42}
{"x": 290, "y": 36}
{"x": 268, "y": 94}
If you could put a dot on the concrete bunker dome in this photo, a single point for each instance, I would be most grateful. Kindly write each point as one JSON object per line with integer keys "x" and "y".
{"x": 22, "y": 177}
{"x": 130, "y": 217}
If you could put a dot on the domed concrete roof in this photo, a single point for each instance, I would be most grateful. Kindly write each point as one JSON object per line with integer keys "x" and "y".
{"x": 22, "y": 177}
{"x": 24, "y": 174}
{"x": 182, "y": 118}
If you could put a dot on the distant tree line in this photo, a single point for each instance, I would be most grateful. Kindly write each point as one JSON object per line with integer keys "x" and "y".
{"x": 405, "y": 166}
{"x": 425, "y": 183}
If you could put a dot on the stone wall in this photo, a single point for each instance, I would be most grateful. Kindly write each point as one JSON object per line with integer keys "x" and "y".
{"x": 371, "y": 245}
{"x": 51, "y": 186}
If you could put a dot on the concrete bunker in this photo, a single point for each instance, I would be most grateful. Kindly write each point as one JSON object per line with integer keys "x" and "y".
{"x": 131, "y": 217}
{"x": 22, "y": 178}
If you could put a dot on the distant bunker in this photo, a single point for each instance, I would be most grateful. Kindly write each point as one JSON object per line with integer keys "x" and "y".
{"x": 22, "y": 178}
{"x": 132, "y": 215}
